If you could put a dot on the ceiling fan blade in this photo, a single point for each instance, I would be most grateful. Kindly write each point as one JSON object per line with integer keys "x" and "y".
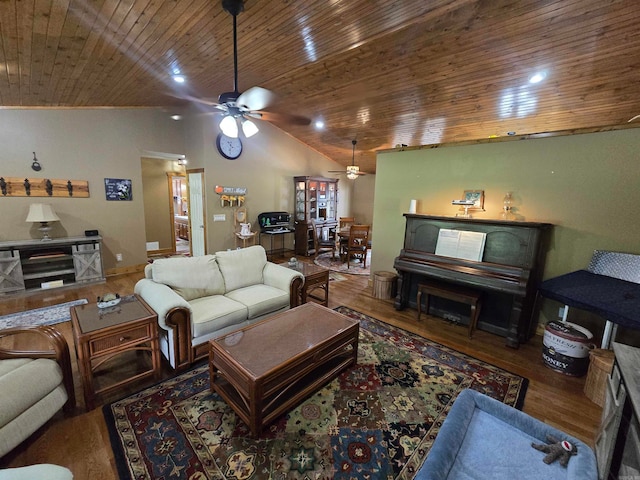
{"x": 285, "y": 118}
{"x": 256, "y": 98}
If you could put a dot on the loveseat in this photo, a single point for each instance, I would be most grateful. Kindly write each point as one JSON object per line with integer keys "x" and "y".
{"x": 200, "y": 298}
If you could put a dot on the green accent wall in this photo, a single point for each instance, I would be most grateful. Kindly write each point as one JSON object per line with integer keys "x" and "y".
{"x": 587, "y": 185}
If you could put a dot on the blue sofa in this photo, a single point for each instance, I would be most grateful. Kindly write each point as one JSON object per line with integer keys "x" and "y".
{"x": 482, "y": 438}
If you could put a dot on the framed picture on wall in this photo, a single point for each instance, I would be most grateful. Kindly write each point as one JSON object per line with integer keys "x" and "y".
{"x": 118, "y": 189}
{"x": 477, "y": 197}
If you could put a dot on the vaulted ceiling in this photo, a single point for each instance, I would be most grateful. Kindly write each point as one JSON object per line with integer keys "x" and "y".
{"x": 385, "y": 72}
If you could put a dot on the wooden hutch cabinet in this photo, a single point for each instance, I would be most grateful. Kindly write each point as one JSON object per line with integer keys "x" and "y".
{"x": 316, "y": 198}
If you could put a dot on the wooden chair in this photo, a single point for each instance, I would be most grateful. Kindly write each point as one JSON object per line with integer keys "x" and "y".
{"x": 358, "y": 244}
{"x": 323, "y": 242}
{"x": 344, "y": 224}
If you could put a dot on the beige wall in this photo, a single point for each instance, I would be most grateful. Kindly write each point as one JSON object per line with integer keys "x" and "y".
{"x": 266, "y": 168}
{"x": 586, "y": 185}
{"x": 94, "y": 144}
{"x": 84, "y": 144}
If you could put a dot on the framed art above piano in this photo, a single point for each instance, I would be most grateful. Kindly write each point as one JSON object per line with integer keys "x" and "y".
{"x": 507, "y": 276}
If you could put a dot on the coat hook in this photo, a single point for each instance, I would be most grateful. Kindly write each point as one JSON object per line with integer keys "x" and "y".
{"x": 3, "y": 186}
{"x": 35, "y": 165}
{"x": 70, "y": 188}
{"x": 27, "y": 187}
{"x": 48, "y": 187}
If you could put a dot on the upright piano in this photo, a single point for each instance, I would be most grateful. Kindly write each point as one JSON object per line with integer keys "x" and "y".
{"x": 508, "y": 275}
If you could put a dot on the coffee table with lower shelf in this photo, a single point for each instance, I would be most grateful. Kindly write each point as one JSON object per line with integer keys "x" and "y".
{"x": 101, "y": 334}
{"x": 265, "y": 369}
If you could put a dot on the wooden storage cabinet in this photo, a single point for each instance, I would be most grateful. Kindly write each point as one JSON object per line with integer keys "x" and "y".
{"x": 617, "y": 444}
{"x": 316, "y": 198}
{"x": 35, "y": 264}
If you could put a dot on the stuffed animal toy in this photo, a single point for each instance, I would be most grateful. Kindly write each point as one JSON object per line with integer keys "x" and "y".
{"x": 556, "y": 449}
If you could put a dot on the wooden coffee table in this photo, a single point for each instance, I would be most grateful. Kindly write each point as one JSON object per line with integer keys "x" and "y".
{"x": 265, "y": 369}
{"x": 102, "y": 334}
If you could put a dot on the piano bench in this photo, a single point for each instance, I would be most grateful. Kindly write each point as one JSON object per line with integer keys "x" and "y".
{"x": 451, "y": 292}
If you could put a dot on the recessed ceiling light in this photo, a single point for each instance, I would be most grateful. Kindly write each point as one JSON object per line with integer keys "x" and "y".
{"x": 537, "y": 77}
{"x": 176, "y": 117}
{"x": 319, "y": 124}
{"x": 179, "y": 78}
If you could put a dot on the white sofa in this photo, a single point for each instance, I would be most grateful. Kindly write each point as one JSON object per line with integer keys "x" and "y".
{"x": 200, "y": 298}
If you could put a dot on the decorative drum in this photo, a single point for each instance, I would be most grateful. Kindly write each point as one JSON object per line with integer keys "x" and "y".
{"x": 566, "y": 347}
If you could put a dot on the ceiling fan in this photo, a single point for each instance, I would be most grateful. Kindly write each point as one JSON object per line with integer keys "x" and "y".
{"x": 353, "y": 171}
{"x": 238, "y": 108}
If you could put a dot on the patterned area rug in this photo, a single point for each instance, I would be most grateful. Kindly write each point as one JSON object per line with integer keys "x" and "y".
{"x": 336, "y": 265}
{"x": 40, "y": 316}
{"x": 377, "y": 420}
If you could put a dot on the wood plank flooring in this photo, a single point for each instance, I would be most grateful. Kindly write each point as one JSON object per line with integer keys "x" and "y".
{"x": 81, "y": 441}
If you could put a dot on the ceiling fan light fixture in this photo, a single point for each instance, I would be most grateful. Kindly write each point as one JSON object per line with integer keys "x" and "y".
{"x": 352, "y": 172}
{"x": 229, "y": 126}
{"x": 249, "y": 128}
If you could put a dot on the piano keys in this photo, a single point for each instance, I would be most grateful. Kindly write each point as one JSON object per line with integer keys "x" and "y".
{"x": 508, "y": 275}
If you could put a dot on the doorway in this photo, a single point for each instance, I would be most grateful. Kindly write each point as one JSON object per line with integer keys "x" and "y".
{"x": 179, "y": 209}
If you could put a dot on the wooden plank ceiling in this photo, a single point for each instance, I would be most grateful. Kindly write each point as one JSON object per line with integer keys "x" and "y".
{"x": 384, "y": 72}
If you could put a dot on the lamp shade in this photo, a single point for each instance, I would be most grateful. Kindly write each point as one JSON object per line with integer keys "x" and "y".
{"x": 229, "y": 126}
{"x": 249, "y": 128}
{"x": 41, "y": 212}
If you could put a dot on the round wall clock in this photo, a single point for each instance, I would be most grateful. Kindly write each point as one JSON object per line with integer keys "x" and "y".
{"x": 229, "y": 148}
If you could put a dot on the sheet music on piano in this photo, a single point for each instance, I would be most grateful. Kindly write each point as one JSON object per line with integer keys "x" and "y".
{"x": 461, "y": 244}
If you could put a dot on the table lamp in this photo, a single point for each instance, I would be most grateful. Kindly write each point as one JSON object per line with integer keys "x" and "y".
{"x": 43, "y": 213}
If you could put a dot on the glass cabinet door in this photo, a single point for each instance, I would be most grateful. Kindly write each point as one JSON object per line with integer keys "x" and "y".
{"x": 313, "y": 200}
{"x": 301, "y": 200}
{"x": 331, "y": 202}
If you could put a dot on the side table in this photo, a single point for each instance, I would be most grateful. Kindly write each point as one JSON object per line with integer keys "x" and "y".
{"x": 315, "y": 278}
{"x": 101, "y": 334}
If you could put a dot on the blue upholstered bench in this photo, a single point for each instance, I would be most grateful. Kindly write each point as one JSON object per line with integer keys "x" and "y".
{"x": 483, "y": 439}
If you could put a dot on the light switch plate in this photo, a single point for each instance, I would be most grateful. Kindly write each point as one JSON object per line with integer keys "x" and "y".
{"x": 219, "y": 217}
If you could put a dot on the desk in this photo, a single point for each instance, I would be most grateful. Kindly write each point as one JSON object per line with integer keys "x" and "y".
{"x": 275, "y": 233}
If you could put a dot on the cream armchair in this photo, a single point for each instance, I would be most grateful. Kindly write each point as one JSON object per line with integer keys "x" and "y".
{"x": 35, "y": 384}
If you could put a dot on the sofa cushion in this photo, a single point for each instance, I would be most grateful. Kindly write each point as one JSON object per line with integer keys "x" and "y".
{"x": 42, "y": 471}
{"x": 260, "y": 299}
{"x": 190, "y": 277}
{"x": 18, "y": 394}
{"x": 242, "y": 267}
{"x": 212, "y": 313}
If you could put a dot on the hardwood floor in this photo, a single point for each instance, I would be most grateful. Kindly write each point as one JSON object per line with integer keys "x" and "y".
{"x": 81, "y": 441}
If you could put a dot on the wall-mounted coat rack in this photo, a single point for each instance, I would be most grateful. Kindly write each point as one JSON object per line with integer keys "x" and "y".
{"x": 43, "y": 187}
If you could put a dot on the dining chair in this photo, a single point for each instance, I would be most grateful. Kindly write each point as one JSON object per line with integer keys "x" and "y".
{"x": 344, "y": 224}
{"x": 358, "y": 244}
{"x": 324, "y": 239}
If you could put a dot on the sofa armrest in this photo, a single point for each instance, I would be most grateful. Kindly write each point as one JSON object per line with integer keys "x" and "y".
{"x": 59, "y": 351}
{"x": 174, "y": 314}
{"x": 161, "y": 298}
{"x": 285, "y": 279}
